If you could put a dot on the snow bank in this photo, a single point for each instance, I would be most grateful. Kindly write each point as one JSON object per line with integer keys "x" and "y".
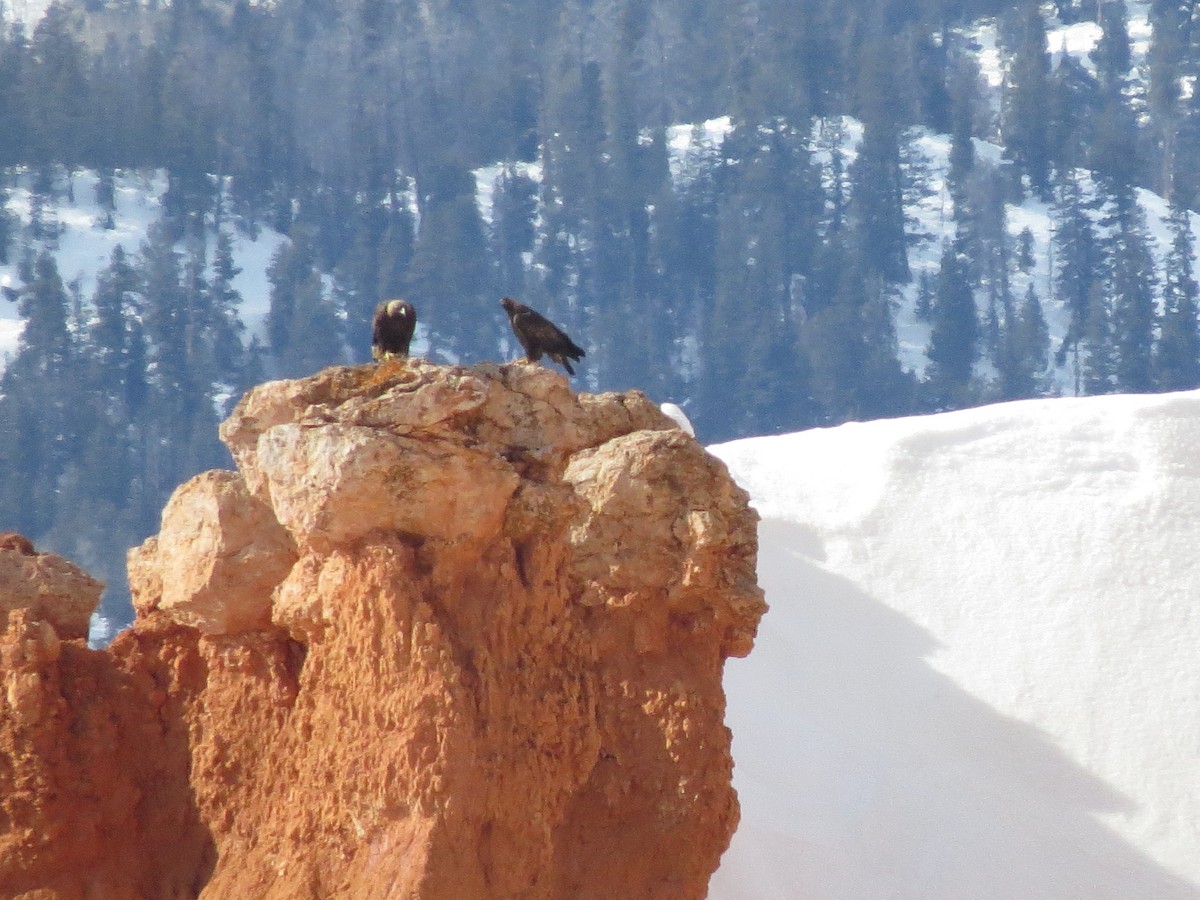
{"x": 978, "y": 677}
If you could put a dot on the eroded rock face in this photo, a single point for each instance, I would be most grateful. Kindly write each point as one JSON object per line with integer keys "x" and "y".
{"x": 215, "y": 561}
{"x": 51, "y": 588}
{"x": 448, "y": 632}
{"x": 95, "y": 798}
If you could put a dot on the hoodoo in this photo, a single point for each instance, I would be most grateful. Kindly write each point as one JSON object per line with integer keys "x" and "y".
{"x": 447, "y": 632}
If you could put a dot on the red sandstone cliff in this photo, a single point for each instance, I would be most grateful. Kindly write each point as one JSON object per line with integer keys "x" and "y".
{"x": 447, "y": 633}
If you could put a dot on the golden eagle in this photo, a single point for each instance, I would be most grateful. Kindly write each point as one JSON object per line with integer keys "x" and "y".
{"x": 392, "y": 329}
{"x": 539, "y": 335}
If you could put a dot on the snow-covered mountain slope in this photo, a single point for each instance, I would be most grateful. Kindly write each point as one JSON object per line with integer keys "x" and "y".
{"x": 84, "y": 245}
{"x": 931, "y": 225}
{"x": 929, "y": 207}
{"x": 978, "y": 677}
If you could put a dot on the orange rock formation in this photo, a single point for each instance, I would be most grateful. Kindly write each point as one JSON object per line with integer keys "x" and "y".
{"x": 447, "y": 633}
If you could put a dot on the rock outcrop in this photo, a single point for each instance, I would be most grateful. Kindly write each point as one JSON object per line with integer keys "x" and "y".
{"x": 447, "y": 632}
{"x": 52, "y": 589}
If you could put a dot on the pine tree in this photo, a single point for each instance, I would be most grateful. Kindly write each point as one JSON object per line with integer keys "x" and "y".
{"x": 176, "y": 428}
{"x": 57, "y": 85}
{"x": 1170, "y": 24}
{"x": 1185, "y": 172}
{"x": 929, "y": 61}
{"x": 954, "y": 333}
{"x": 1113, "y": 55}
{"x": 169, "y": 329}
{"x": 512, "y": 231}
{"x": 743, "y": 270}
{"x": 44, "y": 348}
{"x": 962, "y": 144}
{"x": 222, "y": 326}
{"x": 831, "y": 141}
{"x": 1114, "y": 141}
{"x": 1034, "y": 332}
{"x": 1114, "y": 127}
{"x": 1074, "y": 106}
{"x": 395, "y": 247}
{"x": 850, "y": 343}
{"x": 15, "y": 111}
{"x": 1131, "y": 282}
{"x": 1026, "y": 100}
{"x": 1078, "y": 256}
{"x": 292, "y": 263}
{"x": 303, "y": 327}
{"x": 448, "y": 279}
{"x": 314, "y": 341}
{"x": 770, "y": 212}
{"x": 1098, "y": 356}
{"x": 983, "y": 240}
{"x": 687, "y": 232}
{"x": 40, "y": 427}
{"x": 373, "y": 266}
{"x": 1025, "y": 260}
{"x": 884, "y": 388}
{"x": 9, "y": 226}
{"x": 877, "y": 199}
{"x": 1025, "y": 343}
{"x": 116, "y": 341}
{"x": 44, "y": 226}
{"x": 1177, "y": 354}
{"x": 876, "y": 204}
{"x": 116, "y": 384}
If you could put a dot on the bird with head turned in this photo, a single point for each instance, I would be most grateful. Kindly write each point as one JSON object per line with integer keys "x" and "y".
{"x": 538, "y": 335}
{"x": 392, "y": 329}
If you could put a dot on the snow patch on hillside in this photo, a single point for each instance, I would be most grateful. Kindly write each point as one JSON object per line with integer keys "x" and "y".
{"x": 84, "y": 246}
{"x": 692, "y": 147}
{"x": 28, "y": 11}
{"x": 1078, "y": 40}
{"x": 490, "y": 178}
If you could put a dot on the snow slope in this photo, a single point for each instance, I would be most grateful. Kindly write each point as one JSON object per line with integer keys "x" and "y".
{"x": 980, "y": 671}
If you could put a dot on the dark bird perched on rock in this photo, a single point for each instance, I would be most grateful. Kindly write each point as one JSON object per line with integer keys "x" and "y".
{"x": 539, "y": 335}
{"x": 392, "y": 329}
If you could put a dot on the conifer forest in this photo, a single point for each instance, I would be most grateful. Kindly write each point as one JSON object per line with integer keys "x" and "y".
{"x": 778, "y": 214}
